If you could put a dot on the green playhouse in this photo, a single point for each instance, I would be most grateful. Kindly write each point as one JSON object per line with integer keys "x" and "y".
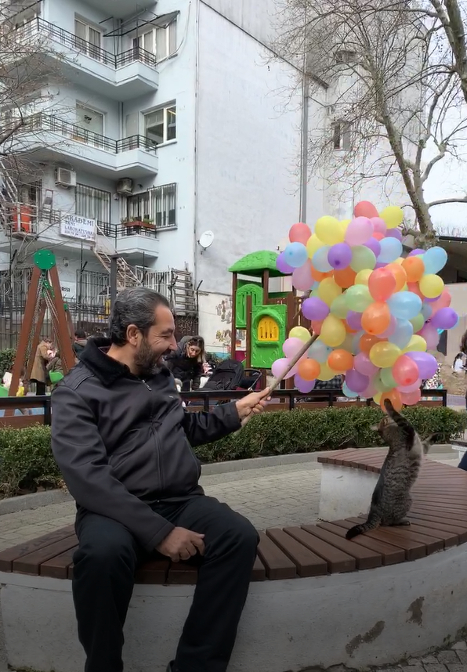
{"x": 265, "y": 316}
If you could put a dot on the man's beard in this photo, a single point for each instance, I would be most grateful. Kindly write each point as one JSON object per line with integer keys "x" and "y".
{"x": 146, "y": 359}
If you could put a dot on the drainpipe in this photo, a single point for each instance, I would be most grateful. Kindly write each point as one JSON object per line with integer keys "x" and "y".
{"x": 304, "y": 149}
{"x": 195, "y": 148}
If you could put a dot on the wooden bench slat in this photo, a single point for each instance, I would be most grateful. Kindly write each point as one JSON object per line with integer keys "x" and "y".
{"x": 277, "y": 564}
{"x": 366, "y": 559}
{"x": 30, "y": 563}
{"x": 307, "y": 562}
{"x": 337, "y": 560}
{"x": 153, "y": 571}
{"x": 182, "y": 573}
{"x": 450, "y": 539}
{"x": 432, "y": 544}
{"x": 459, "y": 517}
{"x": 259, "y": 571}
{"x": 440, "y": 524}
{"x": 414, "y": 549}
{"x": 57, "y": 567}
{"x": 10, "y": 554}
{"x": 390, "y": 554}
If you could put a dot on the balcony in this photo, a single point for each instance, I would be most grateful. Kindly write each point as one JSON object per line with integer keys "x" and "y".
{"x": 131, "y": 240}
{"x": 43, "y": 134}
{"x": 121, "y": 77}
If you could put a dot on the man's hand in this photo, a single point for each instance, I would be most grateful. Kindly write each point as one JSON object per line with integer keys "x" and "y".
{"x": 181, "y": 544}
{"x": 252, "y": 404}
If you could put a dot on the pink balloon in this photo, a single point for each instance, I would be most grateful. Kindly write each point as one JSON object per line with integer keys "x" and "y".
{"x": 444, "y": 301}
{"x": 358, "y": 231}
{"x": 299, "y": 233}
{"x": 411, "y": 398}
{"x": 391, "y": 329}
{"x": 431, "y": 336}
{"x": 365, "y": 209}
{"x": 407, "y": 389}
{"x": 292, "y": 346}
{"x": 405, "y": 371}
{"x": 302, "y": 278}
{"x": 379, "y": 225}
{"x": 303, "y": 385}
{"x": 279, "y": 366}
{"x": 362, "y": 364}
{"x": 370, "y": 390}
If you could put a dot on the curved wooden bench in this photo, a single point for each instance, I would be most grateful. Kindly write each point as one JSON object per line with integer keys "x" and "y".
{"x": 295, "y": 567}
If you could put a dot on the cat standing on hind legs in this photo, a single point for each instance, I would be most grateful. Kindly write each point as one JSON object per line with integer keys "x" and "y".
{"x": 391, "y": 500}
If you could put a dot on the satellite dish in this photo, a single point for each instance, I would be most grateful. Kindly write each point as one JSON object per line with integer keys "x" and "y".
{"x": 206, "y": 239}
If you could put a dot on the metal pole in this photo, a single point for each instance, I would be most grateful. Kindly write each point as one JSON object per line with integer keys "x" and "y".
{"x": 304, "y": 158}
{"x": 113, "y": 279}
{"x": 80, "y": 298}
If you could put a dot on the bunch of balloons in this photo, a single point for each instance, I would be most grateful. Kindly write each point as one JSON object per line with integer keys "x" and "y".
{"x": 377, "y": 314}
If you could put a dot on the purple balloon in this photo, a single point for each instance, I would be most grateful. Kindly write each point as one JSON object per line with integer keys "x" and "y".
{"x": 356, "y": 381}
{"x": 394, "y": 233}
{"x": 363, "y": 365}
{"x": 427, "y": 364}
{"x": 390, "y": 330}
{"x": 432, "y": 300}
{"x": 414, "y": 252}
{"x": 340, "y": 256}
{"x": 374, "y": 246}
{"x": 303, "y": 385}
{"x": 380, "y": 264}
{"x": 283, "y": 266}
{"x": 354, "y": 320}
{"x": 315, "y": 309}
{"x": 445, "y": 318}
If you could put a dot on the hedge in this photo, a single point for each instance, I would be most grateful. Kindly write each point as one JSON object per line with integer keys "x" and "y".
{"x": 26, "y": 460}
{"x": 7, "y": 359}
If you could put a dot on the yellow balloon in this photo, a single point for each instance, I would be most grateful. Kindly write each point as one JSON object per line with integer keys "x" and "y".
{"x": 362, "y": 277}
{"x": 333, "y": 332}
{"x": 343, "y": 228}
{"x": 416, "y": 344}
{"x": 313, "y": 244}
{"x": 384, "y": 354}
{"x": 329, "y": 290}
{"x": 393, "y": 216}
{"x": 326, "y": 373}
{"x": 399, "y": 260}
{"x": 327, "y": 229}
{"x": 377, "y": 397}
{"x": 431, "y": 286}
{"x": 301, "y": 333}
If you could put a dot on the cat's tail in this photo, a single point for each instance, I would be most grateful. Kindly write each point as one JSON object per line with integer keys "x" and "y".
{"x": 371, "y": 524}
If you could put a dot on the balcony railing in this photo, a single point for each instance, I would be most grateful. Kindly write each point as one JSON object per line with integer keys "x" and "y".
{"x": 122, "y": 231}
{"x": 38, "y": 26}
{"x": 49, "y": 122}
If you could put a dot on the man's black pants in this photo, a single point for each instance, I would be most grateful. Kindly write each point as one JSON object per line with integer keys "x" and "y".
{"x": 103, "y": 579}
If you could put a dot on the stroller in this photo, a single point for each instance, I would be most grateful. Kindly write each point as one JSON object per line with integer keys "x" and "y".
{"x": 230, "y": 375}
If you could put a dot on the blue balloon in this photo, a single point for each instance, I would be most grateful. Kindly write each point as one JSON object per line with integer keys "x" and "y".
{"x": 319, "y": 351}
{"x": 391, "y": 249}
{"x": 348, "y": 392}
{"x": 295, "y": 255}
{"x": 435, "y": 259}
{"x": 356, "y": 342}
{"x": 402, "y": 334}
{"x": 320, "y": 260}
{"x": 404, "y": 305}
{"x": 427, "y": 311}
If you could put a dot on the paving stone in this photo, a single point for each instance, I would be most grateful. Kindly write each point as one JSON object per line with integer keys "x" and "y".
{"x": 460, "y": 646}
{"x": 458, "y": 667}
{"x": 435, "y": 668}
{"x": 413, "y": 666}
{"x": 448, "y": 657}
{"x": 429, "y": 660}
{"x": 462, "y": 655}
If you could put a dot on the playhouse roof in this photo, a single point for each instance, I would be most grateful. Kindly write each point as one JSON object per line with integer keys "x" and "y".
{"x": 256, "y": 263}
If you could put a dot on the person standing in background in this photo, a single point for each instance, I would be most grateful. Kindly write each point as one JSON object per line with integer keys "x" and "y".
{"x": 39, "y": 369}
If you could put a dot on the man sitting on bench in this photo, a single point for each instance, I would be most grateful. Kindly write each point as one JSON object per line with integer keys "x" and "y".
{"x": 122, "y": 440}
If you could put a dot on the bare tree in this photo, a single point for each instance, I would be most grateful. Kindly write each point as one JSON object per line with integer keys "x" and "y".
{"x": 390, "y": 87}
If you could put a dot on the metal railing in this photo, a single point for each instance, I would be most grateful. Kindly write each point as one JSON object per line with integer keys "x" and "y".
{"x": 25, "y": 403}
{"x": 38, "y": 26}
{"x": 49, "y": 122}
{"x": 123, "y": 230}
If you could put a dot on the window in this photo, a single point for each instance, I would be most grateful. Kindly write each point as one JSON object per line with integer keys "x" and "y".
{"x": 145, "y": 42}
{"x": 161, "y": 125}
{"x": 162, "y": 42}
{"x": 158, "y": 205}
{"x": 268, "y": 329}
{"x": 88, "y": 39}
{"x": 341, "y": 135}
{"x": 92, "y": 287}
{"x": 92, "y": 203}
{"x": 89, "y": 119}
{"x": 346, "y": 56}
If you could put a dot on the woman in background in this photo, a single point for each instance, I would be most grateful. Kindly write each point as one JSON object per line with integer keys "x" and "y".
{"x": 187, "y": 362}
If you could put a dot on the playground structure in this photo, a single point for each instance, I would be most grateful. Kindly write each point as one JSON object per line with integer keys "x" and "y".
{"x": 266, "y": 317}
{"x": 44, "y": 294}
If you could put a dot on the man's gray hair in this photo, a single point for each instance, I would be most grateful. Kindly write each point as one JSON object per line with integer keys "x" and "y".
{"x": 134, "y": 306}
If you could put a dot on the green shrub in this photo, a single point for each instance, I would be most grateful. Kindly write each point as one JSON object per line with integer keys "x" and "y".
{"x": 26, "y": 460}
{"x": 7, "y": 359}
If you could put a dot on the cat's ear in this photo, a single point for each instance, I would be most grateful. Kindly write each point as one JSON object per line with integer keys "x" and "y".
{"x": 427, "y": 443}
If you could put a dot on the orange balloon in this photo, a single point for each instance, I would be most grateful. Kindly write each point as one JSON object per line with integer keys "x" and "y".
{"x": 414, "y": 267}
{"x": 394, "y": 397}
{"x": 376, "y": 318}
{"x": 367, "y": 341}
{"x": 344, "y": 278}
{"x": 340, "y": 360}
{"x": 413, "y": 287}
{"x": 316, "y": 326}
{"x": 308, "y": 369}
{"x": 399, "y": 274}
{"x": 317, "y": 275}
{"x": 378, "y": 235}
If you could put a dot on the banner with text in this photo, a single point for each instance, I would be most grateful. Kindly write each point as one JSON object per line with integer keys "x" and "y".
{"x": 75, "y": 226}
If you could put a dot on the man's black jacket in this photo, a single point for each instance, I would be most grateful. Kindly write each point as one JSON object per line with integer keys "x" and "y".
{"x": 123, "y": 443}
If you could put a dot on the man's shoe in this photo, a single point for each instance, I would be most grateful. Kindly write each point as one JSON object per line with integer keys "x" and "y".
{"x": 170, "y": 667}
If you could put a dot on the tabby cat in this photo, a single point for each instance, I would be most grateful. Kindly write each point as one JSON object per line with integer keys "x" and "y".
{"x": 391, "y": 500}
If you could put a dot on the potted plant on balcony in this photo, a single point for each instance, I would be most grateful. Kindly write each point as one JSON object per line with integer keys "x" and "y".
{"x": 145, "y": 222}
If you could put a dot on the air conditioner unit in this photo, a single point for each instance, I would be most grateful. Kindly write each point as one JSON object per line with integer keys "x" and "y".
{"x": 125, "y": 186}
{"x": 65, "y": 178}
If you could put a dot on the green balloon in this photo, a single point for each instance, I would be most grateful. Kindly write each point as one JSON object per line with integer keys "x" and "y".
{"x": 380, "y": 384}
{"x": 362, "y": 257}
{"x": 417, "y": 322}
{"x": 358, "y": 297}
{"x": 339, "y": 307}
{"x": 387, "y": 378}
{"x": 3, "y": 391}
